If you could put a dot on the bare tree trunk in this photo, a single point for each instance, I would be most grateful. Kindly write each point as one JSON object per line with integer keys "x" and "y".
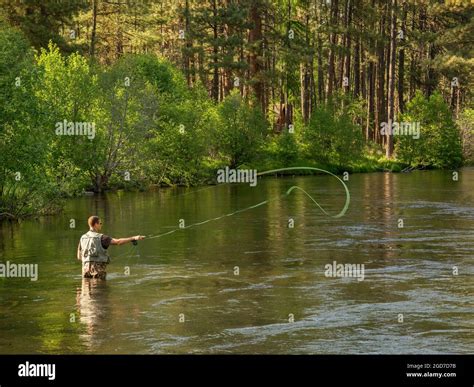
{"x": 431, "y": 80}
{"x": 187, "y": 45}
{"x": 413, "y": 60}
{"x": 391, "y": 77}
{"x": 333, "y": 42}
{"x": 380, "y": 98}
{"x": 347, "y": 70}
{"x": 401, "y": 62}
{"x": 371, "y": 120}
{"x": 255, "y": 39}
{"x": 241, "y": 73}
{"x": 357, "y": 68}
{"x": 215, "y": 54}
{"x": 305, "y": 78}
{"x": 94, "y": 28}
{"x": 369, "y": 131}
{"x": 454, "y": 97}
{"x": 458, "y": 102}
{"x": 320, "y": 60}
{"x": 230, "y": 52}
{"x": 363, "y": 72}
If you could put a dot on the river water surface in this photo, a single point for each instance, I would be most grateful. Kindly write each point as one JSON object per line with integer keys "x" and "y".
{"x": 235, "y": 285}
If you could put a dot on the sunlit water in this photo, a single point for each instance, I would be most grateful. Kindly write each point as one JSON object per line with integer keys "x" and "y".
{"x": 191, "y": 274}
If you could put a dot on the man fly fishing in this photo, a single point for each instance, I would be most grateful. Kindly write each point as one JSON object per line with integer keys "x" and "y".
{"x": 92, "y": 249}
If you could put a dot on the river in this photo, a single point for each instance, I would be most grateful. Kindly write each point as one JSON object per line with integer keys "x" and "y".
{"x": 249, "y": 283}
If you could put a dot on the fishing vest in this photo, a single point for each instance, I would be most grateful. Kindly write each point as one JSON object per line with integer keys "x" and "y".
{"x": 91, "y": 248}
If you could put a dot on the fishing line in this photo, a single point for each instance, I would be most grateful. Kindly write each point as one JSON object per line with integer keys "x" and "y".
{"x": 130, "y": 255}
{"x": 125, "y": 253}
{"x": 287, "y": 193}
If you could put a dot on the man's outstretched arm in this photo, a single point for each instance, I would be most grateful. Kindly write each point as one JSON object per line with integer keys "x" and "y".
{"x": 122, "y": 241}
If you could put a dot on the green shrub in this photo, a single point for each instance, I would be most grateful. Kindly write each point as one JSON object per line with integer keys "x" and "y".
{"x": 240, "y": 131}
{"x": 439, "y": 144}
{"x": 25, "y": 187}
{"x": 466, "y": 124}
{"x": 332, "y": 139}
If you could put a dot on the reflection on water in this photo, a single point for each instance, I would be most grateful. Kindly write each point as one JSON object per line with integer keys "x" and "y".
{"x": 92, "y": 306}
{"x": 230, "y": 286}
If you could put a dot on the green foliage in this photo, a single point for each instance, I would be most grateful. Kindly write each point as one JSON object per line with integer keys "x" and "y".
{"x": 439, "y": 144}
{"x": 287, "y": 152}
{"x": 42, "y": 20}
{"x": 169, "y": 143}
{"x": 127, "y": 114}
{"x": 175, "y": 119}
{"x": 180, "y": 140}
{"x": 67, "y": 90}
{"x": 466, "y": 124}
{"x": 24, "y": 186}
{"x": 155, "y": 70}
{"x": 332, "y": 139}
{"x": 240, "y": 130}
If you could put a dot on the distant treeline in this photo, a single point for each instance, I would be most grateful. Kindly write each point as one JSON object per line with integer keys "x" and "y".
{"x": 99, "y": 95}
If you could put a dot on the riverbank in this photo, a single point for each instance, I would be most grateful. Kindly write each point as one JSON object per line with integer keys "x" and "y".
{"x": 368, "y": 165}
{"x": 158, "y": 130}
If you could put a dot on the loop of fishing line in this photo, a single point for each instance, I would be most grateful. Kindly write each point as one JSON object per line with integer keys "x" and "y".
{"x": 287, "y": 193}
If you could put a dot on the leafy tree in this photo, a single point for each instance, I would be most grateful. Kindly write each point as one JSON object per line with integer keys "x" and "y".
{"x": 67, "y": 89}
{"x": 240, "y": 131}
{"x": 331, "y": 138}
{"x": 24, "y": 186}
{"x": 439, "y": 144}
{"x": 466, "y": 124}
{"x": 43, "y": 21}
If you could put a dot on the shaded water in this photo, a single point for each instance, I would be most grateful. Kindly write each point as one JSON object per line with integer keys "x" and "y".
{"x": 190, "y": 273}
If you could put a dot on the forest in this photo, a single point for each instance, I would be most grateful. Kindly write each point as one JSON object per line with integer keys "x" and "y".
{"x": 102, "y": 95}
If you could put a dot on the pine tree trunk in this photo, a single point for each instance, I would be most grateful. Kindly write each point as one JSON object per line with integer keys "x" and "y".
{"x": 413, "y": 59}
{"x": 347, "y": 70}
{"x": 372, "y": 122}
{"x": 357, "y": 68}
{"x": 380, "y": 97}
{"x": 187, "y": 45}
{"x": 305, "y": 77}
{"x": 333, "y": 42}
{"x": 94, "y": 28}
{"x": 215, "y": 53}
{"x": 320, "y": 61}
{"x": 255, "y": 38}
{"x": 401, "y": 63}
{"x": 391, "y": 76}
